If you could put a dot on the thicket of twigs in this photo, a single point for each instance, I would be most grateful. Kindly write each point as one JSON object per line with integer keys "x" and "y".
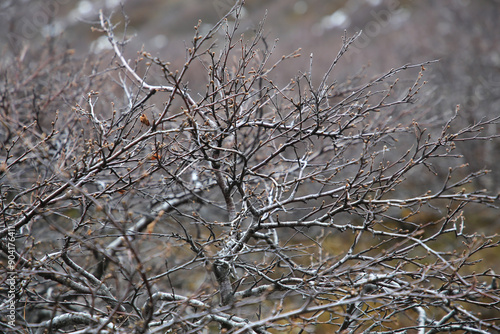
{"x": 252, "y": 206}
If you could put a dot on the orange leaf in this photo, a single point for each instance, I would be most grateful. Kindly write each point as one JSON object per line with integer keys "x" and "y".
{"x": 155, "y": 156}
{"x": 144, "y": 119}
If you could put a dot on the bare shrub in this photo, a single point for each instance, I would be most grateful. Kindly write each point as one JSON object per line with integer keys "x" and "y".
{"x": 251, "y": 206}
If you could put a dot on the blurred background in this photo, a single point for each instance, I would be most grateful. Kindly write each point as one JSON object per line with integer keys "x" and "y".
{"x": 462, "y": 34}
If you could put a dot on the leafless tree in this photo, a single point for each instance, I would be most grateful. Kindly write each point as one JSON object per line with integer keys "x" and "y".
{"x": 250, "y": 205}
